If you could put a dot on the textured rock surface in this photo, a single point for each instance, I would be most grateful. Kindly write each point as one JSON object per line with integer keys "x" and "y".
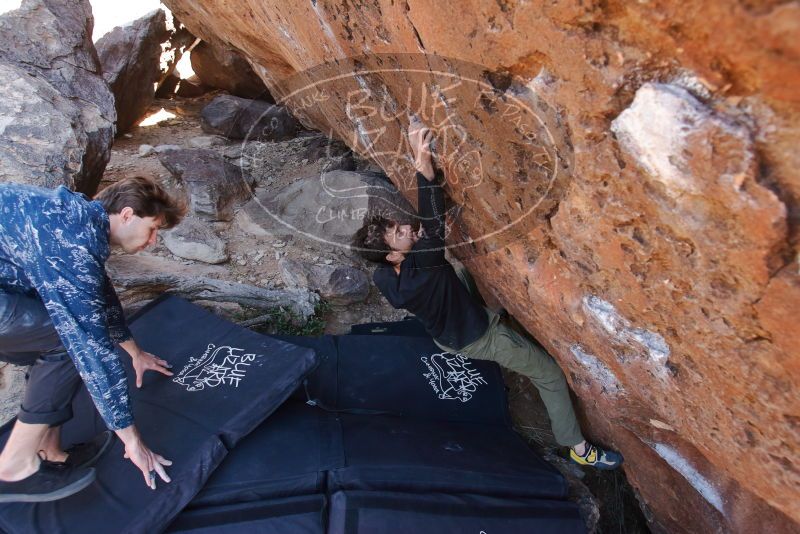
{"x": 214, "y": 186}
{"x": 191, "y": 87}
{"x": 57, "y": 113}
{"x": 337, "y": 284}
{"x": 130, "y": 56}
{"x": 657, "y": 256}
{"x": 12, "y": 387}
{"x": 194, "y": 240}
{"x": 144, "y": 277}
{"x": 329, "y": 208}
{"x": 241, "y": 118}
{"x": 225, "y": 69}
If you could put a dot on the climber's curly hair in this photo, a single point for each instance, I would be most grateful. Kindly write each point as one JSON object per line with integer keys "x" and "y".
{"x": 370, "y": 240}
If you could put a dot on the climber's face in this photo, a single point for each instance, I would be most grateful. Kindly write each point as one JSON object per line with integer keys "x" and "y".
{"x": 133, "y": 233}
{"x": 401, "y": 237}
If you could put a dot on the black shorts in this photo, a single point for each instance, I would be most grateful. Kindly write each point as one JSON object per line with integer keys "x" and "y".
{"x": 27, "y": 337}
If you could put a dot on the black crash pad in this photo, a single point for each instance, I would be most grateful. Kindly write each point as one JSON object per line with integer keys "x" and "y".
{"x": 398, "y": 454}
{"x": 295, "y": 515}
{"x": 368, "y": 512}
{"x": 227, "y": 381}
{"x": 321, "y": 384}
{"x": 412, "y": 377}
{"x": 287, "y": 455}
{"x": 301, "y": 450}
{"x": 407, "y": 327}
{"x": 403, "y": 376}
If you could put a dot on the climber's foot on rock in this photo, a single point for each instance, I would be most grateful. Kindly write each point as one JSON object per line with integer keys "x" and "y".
{"x": 595, "y": 457}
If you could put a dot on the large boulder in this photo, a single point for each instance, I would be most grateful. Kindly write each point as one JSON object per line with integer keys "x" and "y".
{"x": 328, "y": 208}
{"x": 657, "y": 261}
{"x": 241, "y": 118}
{"x": 213, "y": 185}
{"x": 228, "y": 70}
{"x": 130, "y": 56}
{"x": 57, "y": 114}
{"x": 337, "y": 284}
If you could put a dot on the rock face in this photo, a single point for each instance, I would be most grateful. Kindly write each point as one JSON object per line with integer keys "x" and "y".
{"x": 628, "y": 187}
{"x": 191, "y": 87}
{"x": 57, "y": 114}
{"x": 144, "y": 277}
{"x": 240, "y": 118}
{"x": 329, "y": 208}
{"x": 194, "y": 240}
{"x": 226, "y": 69}
{"x": 130, "y": 57}
{"x": 337, "y": 284}
{"x": 214, "y": 186}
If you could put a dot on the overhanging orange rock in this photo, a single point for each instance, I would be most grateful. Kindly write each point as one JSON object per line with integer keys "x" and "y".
{"x": 656, "y": 259}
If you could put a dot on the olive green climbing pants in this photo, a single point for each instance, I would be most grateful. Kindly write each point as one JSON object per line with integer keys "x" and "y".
{"x": 513, "y": 351}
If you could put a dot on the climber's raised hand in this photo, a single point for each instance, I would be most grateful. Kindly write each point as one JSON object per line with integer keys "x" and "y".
{"x": 420, "y": 137}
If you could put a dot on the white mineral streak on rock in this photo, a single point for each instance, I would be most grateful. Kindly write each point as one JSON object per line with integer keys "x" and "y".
{"x": 543, "y": 79}
{"x": 598, "y": 370}
{"x": 656, "y": 347}
{"x": 618, "y": 326}
{"x": 328, "y": 31}
{"x": 703, "y": 486}
{"x": 661, "y": 424}
{"x": 655, "y": 130}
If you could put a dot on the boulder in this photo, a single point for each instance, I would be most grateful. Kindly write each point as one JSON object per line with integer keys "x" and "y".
{"x": 226, "y": 69}
{"x": 167, "y": 86}
{"x": 194, "y": 240}
{"x": 206, "y": 141}
{"x": 658, "y": 265}
{"x": 214, "y": 187}
{"x": 330, "y": 207}
{"x": 57, "y": 114}
{"x": 331, "y": 153}
{"x": 310, "y": 153}
{"x": 180, "y": 42}
{"x": 142, "y": 277}
{"x": 340, "y": 285}
{"x": 130, "y": 56}
{"x": 191, "y": 87}
{"x": 240, "y": 118}
{"x": 146, "y": 150}
{"x": 160, "y": 149}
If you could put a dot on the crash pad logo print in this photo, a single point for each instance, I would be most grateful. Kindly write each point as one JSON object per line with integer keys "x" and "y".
{"x": 218, "y": 366}
{"x": 452, "y": 376}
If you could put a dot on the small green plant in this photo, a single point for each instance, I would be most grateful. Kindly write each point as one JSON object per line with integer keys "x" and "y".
{"x": 285, "y": 322}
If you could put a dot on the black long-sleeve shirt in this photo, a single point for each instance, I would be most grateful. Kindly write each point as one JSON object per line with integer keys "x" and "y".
{"x": 427, "y": 285}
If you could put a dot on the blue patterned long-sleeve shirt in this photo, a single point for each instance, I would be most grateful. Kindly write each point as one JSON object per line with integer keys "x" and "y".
{"x": 55, "y": 243}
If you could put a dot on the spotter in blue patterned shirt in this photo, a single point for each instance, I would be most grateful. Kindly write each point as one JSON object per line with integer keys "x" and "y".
{"x": 60, "y": 314}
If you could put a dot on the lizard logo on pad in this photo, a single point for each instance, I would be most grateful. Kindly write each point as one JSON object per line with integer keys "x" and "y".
{"x": 218, "y": 366}
{"x": 451, "y": 376}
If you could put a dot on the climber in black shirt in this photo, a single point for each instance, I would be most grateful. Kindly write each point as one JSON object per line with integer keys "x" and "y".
{"x": 414, "y": 275}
